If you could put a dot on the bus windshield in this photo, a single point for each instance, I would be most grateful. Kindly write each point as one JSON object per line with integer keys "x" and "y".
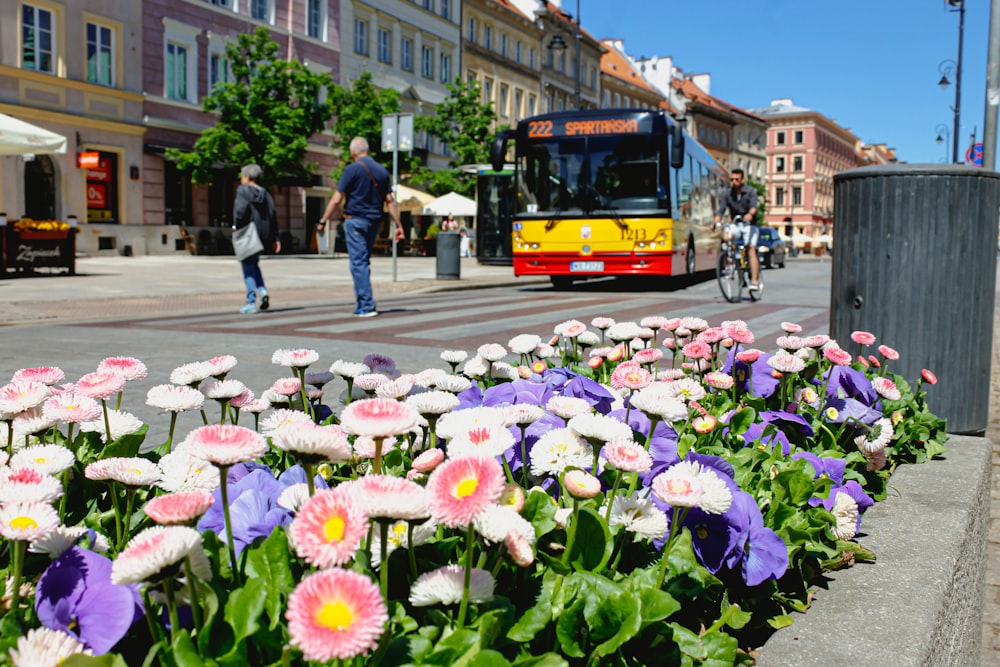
{"x": 593, "y": 174}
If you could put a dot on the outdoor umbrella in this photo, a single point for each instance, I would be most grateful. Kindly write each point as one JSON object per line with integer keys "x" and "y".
{"x": 20, "y": 138}
{"x": 451, "y": 203}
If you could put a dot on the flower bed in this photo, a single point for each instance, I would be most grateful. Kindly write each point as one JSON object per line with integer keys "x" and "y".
{"x": 626, "y": 493}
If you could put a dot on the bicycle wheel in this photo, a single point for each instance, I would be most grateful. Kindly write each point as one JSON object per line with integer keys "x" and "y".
{"x": 730, "y": 280}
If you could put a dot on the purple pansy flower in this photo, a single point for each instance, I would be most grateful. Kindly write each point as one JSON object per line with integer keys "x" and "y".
{"x": 759, "y": 552}
{"x": 846, "y": 382}
{"x": 755, "y": 432}
{"x": 755, "y": 377}
{"x": 568, "y": 383}
{"x": 849, "y": 408}
{"x": 75, "y": 595}
{"x": 851, "y": 488}
{"x": 832, "y": 467}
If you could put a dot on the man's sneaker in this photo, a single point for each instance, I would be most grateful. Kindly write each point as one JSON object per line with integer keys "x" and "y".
{"x": 248, "y": 309}
{"x": 756, "y": 287}
{"x": 370, "y": 313}
{"x": 265, "y": 303}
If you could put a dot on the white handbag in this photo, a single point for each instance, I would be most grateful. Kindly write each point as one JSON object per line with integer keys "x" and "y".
{"x": 246, "y": 241}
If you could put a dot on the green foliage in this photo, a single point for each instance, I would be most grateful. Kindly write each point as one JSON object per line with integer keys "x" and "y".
{"x": 358, "y": 112}
{"x": 463, "y": 122}
{"x": 266, "y": 114}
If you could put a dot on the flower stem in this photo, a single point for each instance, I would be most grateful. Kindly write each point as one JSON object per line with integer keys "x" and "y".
{"x": 17, "y": 557}
{"x": 107, "y": 422}
{"x": 118, "y": 403}
{"x": 524, "y": 455}
{"x": 571, "y": 531}
{"x": 463, "y": 607}
{"x": 168, "y": 592}
{"x": 118, "y": 513}
{"x": 62, "y": 500}
{"x": 223, "y": 478}
{"x": 611, "y": 496}
{"x": 127, "y": 519}
{"x": 676, "y": 523}
{"x": 170, "y": 433}
{"x": 195, "y": 597}
{"x": 383, "y": 574}
{"x": 377, "y": 468}
{"x": 409, "y": 550}
{"x": 506, "y": 468}
{"x": 310, "y": 482}
{"x": 10, "y": 436}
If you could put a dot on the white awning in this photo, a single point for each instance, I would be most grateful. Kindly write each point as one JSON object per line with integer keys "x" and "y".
{"x": 451, "y": 204}
{"x": 20, "y": 138}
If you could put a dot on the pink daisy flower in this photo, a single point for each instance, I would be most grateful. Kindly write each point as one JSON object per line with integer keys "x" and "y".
{"x": 100, "y": 385}
{"x": 704, "y": 424}
{"x": 748, "y": 356}
{"x": 47, "y": 375}
{"x": 175, "y": 398}
{"x": 786, "y": 363}
{"x": 378, "y": 417}
{"x": 873, "y": 360}
{"x": 129, "y": 368}
{"x": 719, "y": 380}
{"x": 21, "y": 395}
{"x": 191, "y": 374}
{"x": 397, "y": 387}
{"x": 697, "y": 350}
{"x": 130, "y": 471}
{"x": 928, "y": 376}
{"x": 71, "y": 408}
{"x": 819, "y": 340}
{"x": 863, "y": 337}
{"x": 570, "y": 329}
{"x": 462, "y": 488}
{"x": 225, "y": 444}
{"x": 837, "y": 356}
{"x": 26, "y": 522}
{"x": 388, "y": 497}
{"x": 242, "y": 400}
{"x": 581, "y": 484}
{"x": 287, "y": 386}
{"x": 790, "y": 343}
{"x": 335, "y": 615}
{"x": 428, "y": 460}
{"x": 47, "y": 459}
{"x": 160, "y": 549}
{"x": 863, "y": 361}
{"x": 219, "y": 366}
{"x": 519, "y": 549}
{"x": 311, "y": 441}
{"x": 630, "y": 377}
{"x": 712, "y": 335}
{"x": 299, "y": 358}
{"x": 689, "y": 484}
{"x": 646, "y": 356}
{"x": 522, "y": 414}
{"x": 886, "y": 388}
{"x": 181, "y": 508}
{"x": 328, "y": 528}
{"x": 693, "y": 323}
{"x": 595, "y": 362}
{"x": 602, "y": 323}
{"x": 627, "y": 456}
{"x": 740, "y": 334}
{"x": 28, "y": 485}
{"x": 791, "y": 327}
{"x": 888, "y": 352}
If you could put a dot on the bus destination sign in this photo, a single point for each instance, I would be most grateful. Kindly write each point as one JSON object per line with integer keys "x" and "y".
{"x": 566, "y": 127}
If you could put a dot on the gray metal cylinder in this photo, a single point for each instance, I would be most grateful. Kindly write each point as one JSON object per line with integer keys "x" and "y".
{"x": 449, "y": 265}
{"x": 914, "y": 263}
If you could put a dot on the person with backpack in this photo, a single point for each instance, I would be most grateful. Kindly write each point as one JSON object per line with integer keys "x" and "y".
{"x": 362, "y": 191}
{"x": 254, "y": 205}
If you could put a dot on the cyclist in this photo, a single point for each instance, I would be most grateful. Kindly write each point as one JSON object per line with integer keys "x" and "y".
{"x": 741, "y": 201}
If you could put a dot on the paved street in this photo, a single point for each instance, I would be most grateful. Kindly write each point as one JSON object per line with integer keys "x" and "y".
{"x": 175, "y": 309}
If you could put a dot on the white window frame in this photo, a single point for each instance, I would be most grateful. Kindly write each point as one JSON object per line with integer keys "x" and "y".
{"x": 427, "y": 62}
{"x": 53, "y": 51}
{"x": 488, "y": 36}
{"x": 361, "y": 36}
{"x": 532, "y": 103}
{"x": 406, "y": 54}
{"x": 445, "y": 67}
{"x": 518, "y": 52}
{"x": 268, "y": 11}
{"x": 111, "y": 49}
{"x": 518, "y": 102}
{"x": 184, "y": 35}
{"x": 384, "y": 45}
{"x": 322, "y": 19}
{"x": 217, "y": 53}
{"x": 446, "y": 9}
{"x": 504, "y": 99}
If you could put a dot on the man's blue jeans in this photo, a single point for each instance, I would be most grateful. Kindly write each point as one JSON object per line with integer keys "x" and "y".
{"x": 252, "y": 276}
{"x": 360, "y": 235}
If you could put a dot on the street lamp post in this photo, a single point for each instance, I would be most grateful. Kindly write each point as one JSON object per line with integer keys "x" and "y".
{"x": 559, "y": 44}
{"x": 946, "y": 68}
{"x": 943, "y": 136}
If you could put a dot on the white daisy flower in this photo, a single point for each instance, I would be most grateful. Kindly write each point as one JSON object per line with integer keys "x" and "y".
{"x": 658, "y": 400}
{"x": 622, "y": 331}
{"x": 845, "y": 509}
{"x": 130, "y": 471}
{"x": 158, "y": 548}
{"x": 492, "y": 351}
{"x": 524, "y": 343}
{"x": 600, "y": 427}
{"x": 294, "y": 496}
{"x": 370, "y": 381}
{"x": 397, "y": 537}
{"x": 454, "y": 356}
{"x": 640, "y": 516}
{"x": 62, "y": 538}
{"x": 444, "y": 586}
{"x": 26, "y": 522}
{"x": 31, "y": 422}
{"x": 496, "y": 521}
{"x": 522, "y": 414}
{"x": 42, "y": 647}
{"x": 191, "y": 374}
{"x": 588, "y": 339}
{"x": 429, "y": 377}
{"x": 121, "y": 423}
{"x": 433, "y": 402}
{"x": 487, "y": 440}
{"x": 349, "y": 369}
{"x": 28, "y": 485}
{"x": 456, "y": 384}
{"x": 281, "y": 417}
{"x": 567, "y": 407}
{"x": 274, "y": 398}
{"x": 314, "y": 442}
{"x": 223, "y": 390}
{"x": 886, "y": 388}
{"x": 175, "y": 398}
{"x": 877, "y": 437}
{"x": 47, "y": 459}
{"x": 558, "y": 449}
{"x": 182, "y": 471}
{"x": 300, "y": 358}
{"x": 689, "y": 484}
{"x": 686, "y": 389}
{"x": 475, "y": 367}
{"x": 397, "y": 387}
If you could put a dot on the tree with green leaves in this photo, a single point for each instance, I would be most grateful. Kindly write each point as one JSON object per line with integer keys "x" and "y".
{"x": 266, "y": 114}
{"x": 463, "y": 122}
{"x": 359, "y": 110}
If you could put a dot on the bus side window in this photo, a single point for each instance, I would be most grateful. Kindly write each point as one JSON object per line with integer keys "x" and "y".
{"x": 684, "y": 191}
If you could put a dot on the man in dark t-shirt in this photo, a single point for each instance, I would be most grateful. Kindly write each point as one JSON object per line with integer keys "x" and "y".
{"x": 741, "y": 201}
{"x": 364, "y": 185}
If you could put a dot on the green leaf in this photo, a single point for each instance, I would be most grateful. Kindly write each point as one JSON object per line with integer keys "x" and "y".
{"x": 184, "y": 652}
{"x": 741, "y": 421}
{"x": 106, "y": 660}
{"x": 689, "y": 642}
{"x": 569, "y": 627}
{"x": 270, "y": 562}
{"x": 540, "y": 511}
{"x": 127, "y": 445}
{"x": 538, "y": 616}
{"x": 544, "y": 660}
{"x": 244, "y": 607}
{"x": 781, "y": 621}
{"x": 593, "y": 545}
{"x": 618, "y": 618}
{"x": 489, "y": 658}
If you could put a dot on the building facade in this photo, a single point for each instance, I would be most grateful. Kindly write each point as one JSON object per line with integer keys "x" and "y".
{"x": 63, "y": 66}
{"x": 413, "y": 46}
{"x": 622, "y": 85}
{"x": 805, "y": 149}
{"x": 501, "y": 52}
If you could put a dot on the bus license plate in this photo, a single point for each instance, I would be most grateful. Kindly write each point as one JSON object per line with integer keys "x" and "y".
{"x": 592, "y": 267}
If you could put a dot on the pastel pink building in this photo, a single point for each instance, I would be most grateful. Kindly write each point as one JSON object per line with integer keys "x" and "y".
{"x": 804, "y": 151}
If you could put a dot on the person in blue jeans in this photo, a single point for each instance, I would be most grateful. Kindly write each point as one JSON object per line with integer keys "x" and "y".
{"x": 255, "y": 206}
{"x": 362, "y": 192}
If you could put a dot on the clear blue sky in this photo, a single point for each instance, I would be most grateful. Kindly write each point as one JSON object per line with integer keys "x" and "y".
{"x": 871, "y": 65}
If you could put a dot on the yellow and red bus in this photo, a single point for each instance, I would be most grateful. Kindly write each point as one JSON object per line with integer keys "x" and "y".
{"x": 610, "y": 192}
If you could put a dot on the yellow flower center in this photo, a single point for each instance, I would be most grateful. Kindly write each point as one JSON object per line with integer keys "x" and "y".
{"x": 334, "y": 615}
{"x": 466, "y": 488}
{"x": 23, "y": 523}
{"x": 333, "y": 529}
{"x": 40, "y": 460}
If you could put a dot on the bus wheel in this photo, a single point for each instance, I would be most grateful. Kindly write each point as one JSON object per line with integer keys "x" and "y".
{"x": 689, "y": 259}
{"x": 561, "y": 282}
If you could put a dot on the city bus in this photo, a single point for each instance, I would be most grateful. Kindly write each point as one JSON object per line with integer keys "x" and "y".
{"x": 610, "y": 192}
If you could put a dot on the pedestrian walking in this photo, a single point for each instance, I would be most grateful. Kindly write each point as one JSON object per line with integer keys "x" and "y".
{"x": 254, "y": 205}
{"x": 449, "y": 224}
{"x": 361, "y": 193}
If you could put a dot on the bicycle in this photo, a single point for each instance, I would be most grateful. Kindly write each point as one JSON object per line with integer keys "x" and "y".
{"x": 733, "y": 265}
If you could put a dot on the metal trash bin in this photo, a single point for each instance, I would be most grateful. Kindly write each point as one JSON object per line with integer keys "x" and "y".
{"x": 449, "y": 264}
{"x": 916, "y": 266}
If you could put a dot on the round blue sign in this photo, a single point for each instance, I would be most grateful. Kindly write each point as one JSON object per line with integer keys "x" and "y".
{"x": 974, "y": 155}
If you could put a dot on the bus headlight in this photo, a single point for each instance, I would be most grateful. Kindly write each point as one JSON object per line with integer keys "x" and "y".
{"x": 534, "y": 246}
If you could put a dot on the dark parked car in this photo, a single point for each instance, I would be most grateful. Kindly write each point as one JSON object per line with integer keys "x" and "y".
{"x": 770, "y": 248}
